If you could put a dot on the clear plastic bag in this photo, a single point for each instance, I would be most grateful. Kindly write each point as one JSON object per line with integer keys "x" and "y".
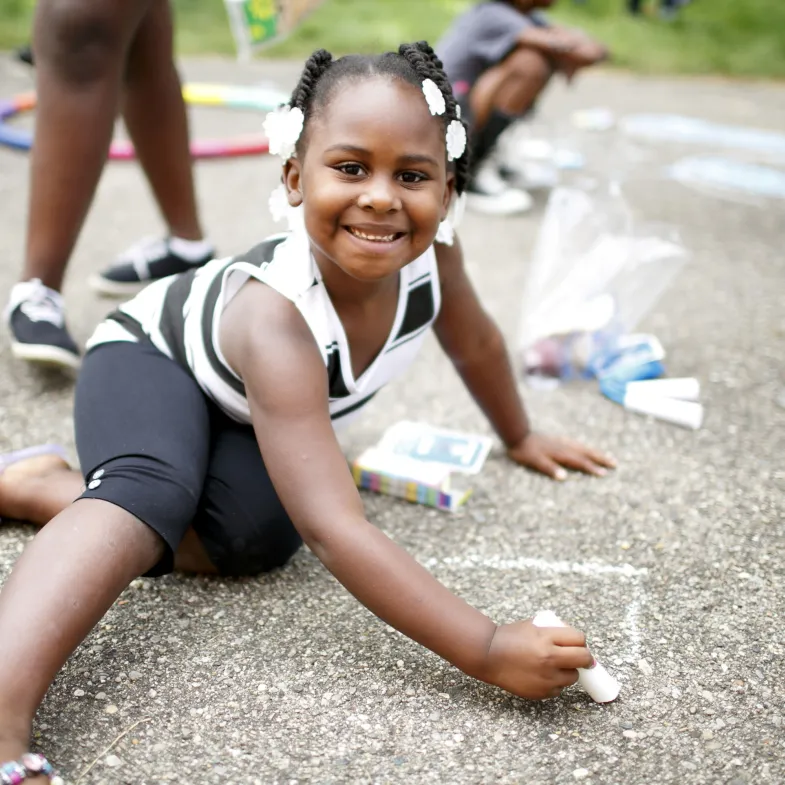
{"x": 594, "y": 276}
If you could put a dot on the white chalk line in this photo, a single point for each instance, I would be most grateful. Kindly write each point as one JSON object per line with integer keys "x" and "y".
{"x": 635, "y": 575}
{"x": 631, "y": 621}
{"x": 527, "y": 563}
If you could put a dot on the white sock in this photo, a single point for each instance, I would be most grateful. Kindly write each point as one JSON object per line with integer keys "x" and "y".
{"x": 190, "y": 250}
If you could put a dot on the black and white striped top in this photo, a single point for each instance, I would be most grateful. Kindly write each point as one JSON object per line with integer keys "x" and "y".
{"x": 180, "y": 315}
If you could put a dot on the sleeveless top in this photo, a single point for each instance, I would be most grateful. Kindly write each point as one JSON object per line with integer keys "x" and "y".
{"x": 181, "y": 314}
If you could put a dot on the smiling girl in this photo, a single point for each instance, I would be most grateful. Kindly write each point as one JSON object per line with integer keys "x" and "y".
{"x": 201, "y": 400}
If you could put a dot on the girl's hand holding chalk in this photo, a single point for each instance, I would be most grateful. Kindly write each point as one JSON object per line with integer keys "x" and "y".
{"x": 552, "y": 456}
{"x": 600, "y": 685}
{"x": 533, "y": 662}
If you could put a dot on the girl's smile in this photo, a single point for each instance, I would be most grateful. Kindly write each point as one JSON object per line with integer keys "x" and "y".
{"x": 373, "y": 180}
{"x": 376, "y": 238}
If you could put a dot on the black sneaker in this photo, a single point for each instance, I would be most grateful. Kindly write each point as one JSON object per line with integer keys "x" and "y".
{"x": 36, "y": 318}
{"x": 147, "y": 261}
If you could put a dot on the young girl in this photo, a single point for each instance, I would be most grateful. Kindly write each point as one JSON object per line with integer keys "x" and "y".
{"x": 201, "y": 400}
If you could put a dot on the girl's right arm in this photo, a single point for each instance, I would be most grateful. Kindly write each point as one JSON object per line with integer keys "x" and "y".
{"x": 267, "y": 342}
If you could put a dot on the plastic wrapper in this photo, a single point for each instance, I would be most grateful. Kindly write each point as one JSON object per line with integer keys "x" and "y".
{"x": 594, "y": 276}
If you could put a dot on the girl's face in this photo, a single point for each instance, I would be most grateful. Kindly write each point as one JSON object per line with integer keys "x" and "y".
{"x": 373, "y": 179}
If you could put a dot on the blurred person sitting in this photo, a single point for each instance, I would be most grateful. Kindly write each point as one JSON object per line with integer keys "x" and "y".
{"x": 499, "y": 57}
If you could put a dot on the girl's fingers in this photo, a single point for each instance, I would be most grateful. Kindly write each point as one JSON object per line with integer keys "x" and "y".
{"x": 567, "y": 678}
{"x": 581, "y": 463}
{"x": 600, "y": 458}
{"x": 567, "y": 658}
{"x": 540, "y": 461}
{"x": 592, "y": 454}
{"x": 551, "y": 468}
{"x": 567, "y": 637}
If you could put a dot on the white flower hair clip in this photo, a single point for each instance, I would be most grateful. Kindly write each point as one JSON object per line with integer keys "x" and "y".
{"x": 281, "y": 210}
{"x": 446, "y": 232}
{"x": 456, "y": 140}
{"x": 456, "y": 133}
{"x": 433, "y": 95}
{"x": 283, "y": 127}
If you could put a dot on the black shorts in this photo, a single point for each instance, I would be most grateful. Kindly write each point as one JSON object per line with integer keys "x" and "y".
{"x": 151, "y": 442}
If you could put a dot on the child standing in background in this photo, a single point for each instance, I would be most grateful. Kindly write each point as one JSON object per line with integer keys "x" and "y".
{"x": 499, "y": 57}
{"x": 94, "y": 59}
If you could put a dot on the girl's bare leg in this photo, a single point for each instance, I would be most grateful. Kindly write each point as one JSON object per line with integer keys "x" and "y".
{"x": 64, "y": 582}
{"x": 38, "y": 489}
{"x": 62, "y": 585}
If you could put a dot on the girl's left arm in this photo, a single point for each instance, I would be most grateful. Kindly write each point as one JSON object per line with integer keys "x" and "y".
{"x": 476, "y": 347}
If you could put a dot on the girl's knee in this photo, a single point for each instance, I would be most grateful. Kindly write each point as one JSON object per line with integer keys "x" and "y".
{"x": 81, "y": 41}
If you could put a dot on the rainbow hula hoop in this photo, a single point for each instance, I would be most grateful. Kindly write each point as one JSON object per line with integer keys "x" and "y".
{"x": 258, "y": 98}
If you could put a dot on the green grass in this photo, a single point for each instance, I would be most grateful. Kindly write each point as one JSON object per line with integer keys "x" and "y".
{"x": 733, "y": 37}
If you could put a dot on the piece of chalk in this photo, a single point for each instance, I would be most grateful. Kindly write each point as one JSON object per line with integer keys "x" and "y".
{"x": 687, "y": 414}
{"x": 685, "y": 389}
{"x": 596, "y": 681}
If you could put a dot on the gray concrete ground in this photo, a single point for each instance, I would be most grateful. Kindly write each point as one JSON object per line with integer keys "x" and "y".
{"x": 286, "y": 679}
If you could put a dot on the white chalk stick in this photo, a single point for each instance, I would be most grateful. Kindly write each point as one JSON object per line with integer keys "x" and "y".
{"x": 685, "y": 389}
{"x": 596, "y": 681}
{"x": 687, "y": 414}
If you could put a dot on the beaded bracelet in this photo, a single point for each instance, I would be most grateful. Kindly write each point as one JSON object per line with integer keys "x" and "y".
{"x": 31, "y": 764}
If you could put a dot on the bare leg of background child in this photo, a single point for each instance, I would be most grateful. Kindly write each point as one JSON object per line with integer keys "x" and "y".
{"x": 63, "y": 583}
{"x": 154, "y": 113}
{"x": 81, "y": 50}
{"x": 512, "y": 87}
{"x": 502, "y": 95}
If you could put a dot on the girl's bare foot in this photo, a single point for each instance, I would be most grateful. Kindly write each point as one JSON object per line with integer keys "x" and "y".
{"x": 26, "y": 480}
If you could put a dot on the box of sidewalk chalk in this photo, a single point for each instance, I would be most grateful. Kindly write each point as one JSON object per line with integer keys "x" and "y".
{"x": 422, "y": 464}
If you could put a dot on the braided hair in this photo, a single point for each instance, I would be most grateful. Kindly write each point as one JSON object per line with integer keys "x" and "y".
{"x": 412, "y": 63}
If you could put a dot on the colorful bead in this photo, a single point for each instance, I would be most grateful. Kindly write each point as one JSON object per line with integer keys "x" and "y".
{"x": 12, "y": 773}
{"x": 31, "y": 764}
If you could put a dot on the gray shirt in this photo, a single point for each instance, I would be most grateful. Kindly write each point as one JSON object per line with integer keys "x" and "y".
{"x": 482, "y": 38}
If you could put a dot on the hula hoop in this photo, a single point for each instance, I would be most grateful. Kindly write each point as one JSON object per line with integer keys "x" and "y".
{"x": 259, "y": 98}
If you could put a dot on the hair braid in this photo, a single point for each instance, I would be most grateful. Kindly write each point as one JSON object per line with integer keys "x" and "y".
{"x": 426, "y": 64}
{"x": 314, "y": 69}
